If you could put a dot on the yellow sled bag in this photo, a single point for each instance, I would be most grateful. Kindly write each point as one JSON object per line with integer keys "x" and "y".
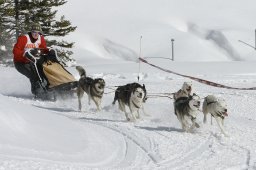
{"x": 56, "y": 74}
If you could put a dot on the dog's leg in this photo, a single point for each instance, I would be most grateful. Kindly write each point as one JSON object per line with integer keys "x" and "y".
{"x": 194, "y": 124}
{"x": 133, "y": 113}
{"x": 119, "y": 105}
{"x": 181, "y": 120}
{"x": 138, "y": 114}
{"x": 79, "y": 104}
{"x": 89, "y": 99}
{"x": 205, "y": 117}
{"x": 184, "y": 125}
{"x": 89, "y": 95}
{"x": 220, "y": 123}
{"x": 193, "y": 119}
{"x": 97, "y": 102}
{"x": 80, "y": 93}
{"x": 122, "y": 108}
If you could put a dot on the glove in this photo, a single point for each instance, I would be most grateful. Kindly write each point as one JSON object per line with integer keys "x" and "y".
{"x": 28, "y": 56}
{"x": 34, "y": 51}
{"x": 51, "y": 52}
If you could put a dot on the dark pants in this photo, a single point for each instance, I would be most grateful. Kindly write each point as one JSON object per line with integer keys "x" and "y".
{"x": 29, "y": 70}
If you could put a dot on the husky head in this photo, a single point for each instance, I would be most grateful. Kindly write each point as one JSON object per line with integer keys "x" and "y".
{"x": 187, "y": 87}
{"x": 138, "y": 94}
{"x": 99, "y": 84}
{"x": 221, "y": 107}
{"x": 194, "y": 102}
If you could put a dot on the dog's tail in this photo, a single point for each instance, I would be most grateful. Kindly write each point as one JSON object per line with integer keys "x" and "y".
{"x": 81, "y": 71}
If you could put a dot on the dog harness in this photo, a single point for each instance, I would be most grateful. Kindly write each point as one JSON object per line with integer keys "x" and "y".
{"x": 218, "y": 113}
{"x": 211, "y": 102}
{"x": 135, "y": 105}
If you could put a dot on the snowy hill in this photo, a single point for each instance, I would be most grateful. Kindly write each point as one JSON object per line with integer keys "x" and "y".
{"x": 203, "y": 30}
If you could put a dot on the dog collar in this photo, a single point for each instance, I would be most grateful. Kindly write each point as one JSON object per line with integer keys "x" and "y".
{"x": 135, "y": 105}
{"x": 211, "y": 102}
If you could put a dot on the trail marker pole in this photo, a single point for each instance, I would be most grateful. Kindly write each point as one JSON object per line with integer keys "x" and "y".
{"x": 255, "y": 40}
{"x": 172, "y": 49}
{"x": 139, "y": 60}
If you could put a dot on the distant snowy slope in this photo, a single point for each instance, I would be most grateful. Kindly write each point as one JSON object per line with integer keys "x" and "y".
{"x": 203, "y": 30}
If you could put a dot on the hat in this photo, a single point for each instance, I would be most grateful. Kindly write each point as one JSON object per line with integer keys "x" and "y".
{"x": 36, "y": 27}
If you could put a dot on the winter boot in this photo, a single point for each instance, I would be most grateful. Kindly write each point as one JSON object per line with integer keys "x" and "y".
{"x": 37, "y": 88}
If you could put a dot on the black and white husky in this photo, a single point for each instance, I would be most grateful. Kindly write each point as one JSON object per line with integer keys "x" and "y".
{"x": 132, "y": 95}
{"x": 186, "y": 109}
{"x": 94, "y": 88}
{"x": 217, "y": 107}
{"x": 185, "y": 91}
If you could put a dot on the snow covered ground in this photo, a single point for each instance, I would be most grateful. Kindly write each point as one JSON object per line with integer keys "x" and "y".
{"x": 54, "y": 135}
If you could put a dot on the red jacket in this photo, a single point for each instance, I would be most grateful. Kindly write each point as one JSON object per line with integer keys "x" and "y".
{"x": 19, "y": 48}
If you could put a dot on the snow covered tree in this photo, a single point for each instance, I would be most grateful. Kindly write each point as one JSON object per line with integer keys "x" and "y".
{"x": 26, "y": 12}
{"x": 6, "y": 29}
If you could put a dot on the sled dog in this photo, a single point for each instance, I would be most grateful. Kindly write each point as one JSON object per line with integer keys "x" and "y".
{"x": 186, "y": 109}
{"x": 217, "y": 107}
{"x": 185, "y": 91}
{"x": 94, "y": 88}
{"x": 132, "y": 95}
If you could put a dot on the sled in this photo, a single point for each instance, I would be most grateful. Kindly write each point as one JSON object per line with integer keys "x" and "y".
{"x": 55, "y": 80}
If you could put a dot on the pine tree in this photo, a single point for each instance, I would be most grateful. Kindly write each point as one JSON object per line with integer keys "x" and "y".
{"x": 6, "y": 29}
{"x": 26, "y": 12}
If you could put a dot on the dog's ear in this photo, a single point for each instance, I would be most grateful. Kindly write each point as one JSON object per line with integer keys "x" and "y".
{"x": 144, "y": 86}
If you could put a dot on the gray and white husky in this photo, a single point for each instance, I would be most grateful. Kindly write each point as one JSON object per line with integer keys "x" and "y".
{"x": 186, "y": 109}
{"x": 217, "y": 107}
{"x": 94, "y": 88}
{"x": 132, "y": 95}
